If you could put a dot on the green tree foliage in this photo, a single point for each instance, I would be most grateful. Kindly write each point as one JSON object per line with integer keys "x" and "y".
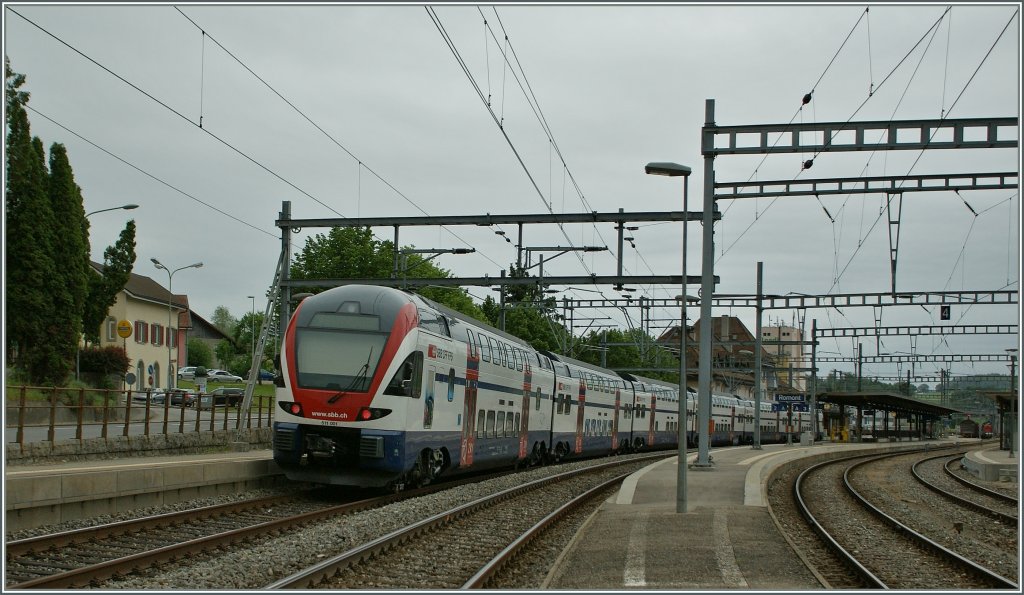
{"x": 226, "y": 351}
{"x": 29, "y": 268}
{"x": 223, "y": 320}
{"x": 199, "y": 353}
{"x": 118, "y": 261}
{"x": 71, "y": 250}
{"x": 529, "y": 314}
{"x": 354, "y": 253}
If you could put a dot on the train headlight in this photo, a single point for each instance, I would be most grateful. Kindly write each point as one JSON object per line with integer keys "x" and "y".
{"x": 371, "y": 413}
{"x": 291, "y": 407}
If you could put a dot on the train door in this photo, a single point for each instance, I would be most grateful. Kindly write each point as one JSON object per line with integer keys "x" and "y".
{"x": 524, "y": 422}
{"x": 615, "y": 420}
{"x": 650, "y": 424}
{"x": 469, "y": 403}
{"x": 578, "y": 448}
{"x": 428, "y": 401}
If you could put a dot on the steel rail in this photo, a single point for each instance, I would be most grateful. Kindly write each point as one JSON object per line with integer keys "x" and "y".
{"x": 491, "y": 568}
{"x": 871, "y": 581}
{"x": 40, "y": 543}
{"x": 965, "y": 563}
{"x": 970, "y": 504}
{"x": 310, "y": 577}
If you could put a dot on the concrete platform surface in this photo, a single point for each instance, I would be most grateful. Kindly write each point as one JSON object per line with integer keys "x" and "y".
{"x": 37, "y": 495}
{"x": 992, "y": 464}
{"x": 727, "y": 539}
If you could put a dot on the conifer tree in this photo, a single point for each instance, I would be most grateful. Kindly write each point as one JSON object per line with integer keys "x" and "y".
{"x": 71, "y": 256}
{"x": 29, "y": 267}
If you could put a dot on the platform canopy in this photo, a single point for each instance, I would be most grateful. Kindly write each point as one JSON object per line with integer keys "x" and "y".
{"x": 885, "y": 402}
{"x": 1005, "y": 400}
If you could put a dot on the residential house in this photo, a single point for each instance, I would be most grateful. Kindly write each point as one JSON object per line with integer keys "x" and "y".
{"x": 159, "y": 325}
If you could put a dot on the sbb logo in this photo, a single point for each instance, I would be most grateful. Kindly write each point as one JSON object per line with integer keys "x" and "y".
{"x": 435, "y": 352}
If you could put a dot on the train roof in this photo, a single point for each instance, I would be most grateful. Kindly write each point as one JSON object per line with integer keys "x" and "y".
{"x": 650, "y": 381}
{"x": 580, "y": 364}
{"x": 469, "y": 320}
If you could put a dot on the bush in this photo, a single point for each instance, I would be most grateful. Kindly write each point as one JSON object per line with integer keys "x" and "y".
{"x": 103, "y": 365}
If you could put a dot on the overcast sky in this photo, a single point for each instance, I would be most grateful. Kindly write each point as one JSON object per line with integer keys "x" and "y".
{"x": 403, "y": 132}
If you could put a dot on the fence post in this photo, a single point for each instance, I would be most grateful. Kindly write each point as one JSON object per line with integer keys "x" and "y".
{"x": 167, "y": 409}
{"x": 81, "y": 413}
{"x": 149, "y": 407}
{"x": 181, "y": 418}
{"x": 53, "y": 415}
{"x": 106, "y": 411}
{"x": 127, "y": 410}
{"x": 21, "y": 416}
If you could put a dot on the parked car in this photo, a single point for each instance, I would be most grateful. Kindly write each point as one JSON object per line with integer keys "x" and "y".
{"x": 187, "y": 373}
{"x": 263, "y": 375}
{"x": 222, "y": 397}
{"x": 222, "y": 376}
{"x": 183, "y": 397}
{"x": 155, "y": 396}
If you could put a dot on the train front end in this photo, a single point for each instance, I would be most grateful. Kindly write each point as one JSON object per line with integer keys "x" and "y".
{"x": 349, "y": 365}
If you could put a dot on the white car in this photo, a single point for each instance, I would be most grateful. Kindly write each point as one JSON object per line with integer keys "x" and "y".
{"x": 187, "y": 373}
{"x": 221, "y": 376}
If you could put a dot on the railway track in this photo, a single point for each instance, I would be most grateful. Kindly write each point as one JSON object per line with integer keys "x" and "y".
{"x": 465, "y": 546}
{"x": 881, "y": 551}
{"x": 88, "y": 556}
{"x": 935, "y": 474}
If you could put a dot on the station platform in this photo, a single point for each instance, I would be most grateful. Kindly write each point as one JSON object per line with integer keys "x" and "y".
{"x": 727, "y": 539}
{"x": 36, "y": 495}
{"x": 992, "y": 464}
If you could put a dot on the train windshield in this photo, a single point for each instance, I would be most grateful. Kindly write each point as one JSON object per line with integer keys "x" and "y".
{"x": 339, "y": 360}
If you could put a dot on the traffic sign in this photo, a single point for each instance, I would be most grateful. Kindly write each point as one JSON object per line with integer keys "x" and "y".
{"x": 129, "y": 378}
{"x": 124, "y": 329}
{"x": 789, "y": 398}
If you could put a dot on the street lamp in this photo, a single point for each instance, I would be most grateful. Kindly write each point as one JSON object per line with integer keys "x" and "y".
{"x": 675, "y": 170}
{"x": 125, "y": 207}
{"x": 170, "y": 295}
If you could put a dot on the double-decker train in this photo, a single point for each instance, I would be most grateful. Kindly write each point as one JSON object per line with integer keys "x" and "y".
{"x": 382, "y": 387}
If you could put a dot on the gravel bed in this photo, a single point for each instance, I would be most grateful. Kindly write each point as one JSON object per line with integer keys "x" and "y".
{"x": 890, "y": 486}
{"x": 264, "y": 560}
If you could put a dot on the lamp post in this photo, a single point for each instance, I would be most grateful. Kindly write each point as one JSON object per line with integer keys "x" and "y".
{"x": 675, "y": 170}
{"x": 79, "y": 350}
{"x": 170, "y": 296}
{"x": 125, "y": 207}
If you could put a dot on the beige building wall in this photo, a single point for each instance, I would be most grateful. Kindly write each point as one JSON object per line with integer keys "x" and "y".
{"x": 145, "y": 352}
{"x": 786, "y": 355}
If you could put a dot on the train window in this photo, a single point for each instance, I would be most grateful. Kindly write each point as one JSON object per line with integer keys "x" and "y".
{"x": 499, "y": 425}
{"x": 516, "y": 427}
{"x": 481, "y": 416}
{"x": 490, "y": 424}
{"x": 485, "y": 349}
{"x": 516, "y": 355}
{"x": 568, "y": 404}
{"x": 408, "y": 380}
{"x": 507, "y": 359}
{"x": 451, "y": 384}
{"x": 471, "y": 345}
{"x": 558, "y": 404}
{"x": 510, "y": 429}
{"x": 537, "y": 399}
